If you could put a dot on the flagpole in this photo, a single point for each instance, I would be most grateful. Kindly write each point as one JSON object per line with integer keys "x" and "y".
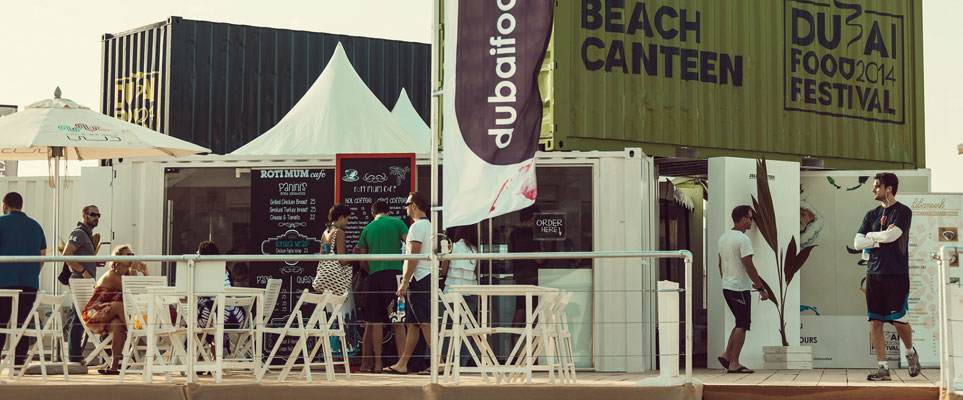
{"x": 435, "y": 206}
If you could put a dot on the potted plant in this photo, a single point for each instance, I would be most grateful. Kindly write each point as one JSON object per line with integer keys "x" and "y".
{"x": 788, "y": 264}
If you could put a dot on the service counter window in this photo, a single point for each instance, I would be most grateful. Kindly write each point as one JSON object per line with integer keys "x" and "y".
{"x": 561, "y": 220}
{"x": 209, "y": 204}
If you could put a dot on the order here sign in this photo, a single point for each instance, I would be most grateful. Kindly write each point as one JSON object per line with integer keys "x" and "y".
{"x": 549, "y": 226}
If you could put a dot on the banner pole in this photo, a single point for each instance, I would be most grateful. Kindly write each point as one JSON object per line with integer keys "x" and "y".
{"x": 435, "y": 352}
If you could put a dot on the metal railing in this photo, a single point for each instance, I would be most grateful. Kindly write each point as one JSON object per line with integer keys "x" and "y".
{"x": 191, "y": 259}
{"x": 947, "y": 352}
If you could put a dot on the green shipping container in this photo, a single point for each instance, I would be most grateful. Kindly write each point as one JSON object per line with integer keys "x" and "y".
{"x": 837, "y": 80}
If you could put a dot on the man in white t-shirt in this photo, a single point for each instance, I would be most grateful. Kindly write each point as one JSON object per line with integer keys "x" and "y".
{"x": 739, "y": 277}
{"x": 416, "y": 282}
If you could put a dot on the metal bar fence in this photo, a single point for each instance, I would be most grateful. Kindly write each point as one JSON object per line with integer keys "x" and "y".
{"x": 948, "y": 354}
{"x": 435, "y": 351}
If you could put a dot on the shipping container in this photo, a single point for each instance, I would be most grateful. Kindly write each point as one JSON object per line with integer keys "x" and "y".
{"x": 839, "y": 81}
{"x": 221, "y": 85}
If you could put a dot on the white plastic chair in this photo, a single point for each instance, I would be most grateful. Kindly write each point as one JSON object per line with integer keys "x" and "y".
{"x": 469, "y": 328}
{"x": 317, "y": 326}
{"x": 243, "y": 345}
{"x": 52, "y": 328}
{"x": 81, "y": 291}
{"x": 11, "y": 330}
{"x": 544, "y": 338}
{"x": 135, "y": 308}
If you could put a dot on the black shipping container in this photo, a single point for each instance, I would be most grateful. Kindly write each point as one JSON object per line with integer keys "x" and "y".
{"x": 221, "y": 85}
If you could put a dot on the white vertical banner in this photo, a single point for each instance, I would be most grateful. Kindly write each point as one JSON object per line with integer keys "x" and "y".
{"x": 937, "y": 222}
{"x": 492, "y": 108}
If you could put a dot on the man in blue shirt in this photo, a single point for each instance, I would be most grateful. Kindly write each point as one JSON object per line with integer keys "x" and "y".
{"x": 19, "y": 236}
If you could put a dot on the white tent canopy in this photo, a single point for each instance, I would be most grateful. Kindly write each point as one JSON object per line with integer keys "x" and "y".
{"x": 338, "y": 114}
{"x": 411, "y": 120}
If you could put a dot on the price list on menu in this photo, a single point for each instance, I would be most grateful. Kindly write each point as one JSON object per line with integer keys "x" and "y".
{"x": 364, "y": 178}
{"x": 288, "y": 215}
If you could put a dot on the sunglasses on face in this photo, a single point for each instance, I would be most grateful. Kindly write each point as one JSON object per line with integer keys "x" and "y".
{"x": 93, "y": 214}
{"x": 408, "y": 204}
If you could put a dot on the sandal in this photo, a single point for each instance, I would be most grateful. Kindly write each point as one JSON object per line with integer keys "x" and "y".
{"x": 741, "y": 370}
{"x": 108, "y": 372}
{"x": 389, "y": 370}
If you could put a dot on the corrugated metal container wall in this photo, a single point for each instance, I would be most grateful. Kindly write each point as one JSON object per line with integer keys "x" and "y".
{"x": 220, "y": 85}
{"x": 789, "y": 78}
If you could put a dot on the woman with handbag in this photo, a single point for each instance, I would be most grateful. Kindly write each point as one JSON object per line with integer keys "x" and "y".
{"x": 334, "y": 276}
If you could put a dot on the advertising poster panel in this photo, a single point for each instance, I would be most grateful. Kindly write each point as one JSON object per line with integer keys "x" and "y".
{"x": 936, "y": 222}
{"x": 832, "y": 301}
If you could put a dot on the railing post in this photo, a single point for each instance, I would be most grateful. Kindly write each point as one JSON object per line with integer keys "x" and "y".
{"x": 192, "y": 319}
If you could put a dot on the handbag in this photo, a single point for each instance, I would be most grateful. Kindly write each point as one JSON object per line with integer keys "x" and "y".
{"x": 331, "y": 275}
{"x": 64, "y": 276}
{"x": 394, "y": 316}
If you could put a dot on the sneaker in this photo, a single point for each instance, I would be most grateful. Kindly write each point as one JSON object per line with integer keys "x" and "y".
{"x": 914, "y": 363}
{"x": 881, "y": 374}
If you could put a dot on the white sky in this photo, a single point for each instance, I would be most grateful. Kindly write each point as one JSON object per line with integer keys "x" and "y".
{"x": 45, "y": 44}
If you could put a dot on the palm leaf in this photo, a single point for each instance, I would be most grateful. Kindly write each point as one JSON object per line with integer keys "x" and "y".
{"x": 798, "y": 261}
{"x": 790, "y": 258}
{"x": 772, "y": 294}
{"x": 765, "y": 216}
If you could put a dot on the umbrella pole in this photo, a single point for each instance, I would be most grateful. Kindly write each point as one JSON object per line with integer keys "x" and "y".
{"x": 56, "y": 153}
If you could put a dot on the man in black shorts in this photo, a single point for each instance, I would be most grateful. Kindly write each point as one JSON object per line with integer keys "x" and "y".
{"x": 885, "y": 234}
{"x": 383, "y": 235}
{"x": 739, "y": 278}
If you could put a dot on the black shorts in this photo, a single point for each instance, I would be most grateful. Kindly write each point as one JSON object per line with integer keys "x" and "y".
{"x": 887, "y": 298}
{"x": 739, "y": 304}
{"x": 419, "y": 300}
{"x": 381, "y": 287}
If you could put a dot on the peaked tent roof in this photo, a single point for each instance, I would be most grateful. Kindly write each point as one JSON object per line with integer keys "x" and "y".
{"x": 338, "y": 114}
{"x": 411, "y": 120}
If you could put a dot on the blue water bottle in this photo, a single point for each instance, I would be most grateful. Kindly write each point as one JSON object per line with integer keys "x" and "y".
{"x": 865, "y": 255}
{"x": 400, "y": 311}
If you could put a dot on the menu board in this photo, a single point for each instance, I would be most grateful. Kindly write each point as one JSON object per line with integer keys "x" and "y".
{"x": 288, "y": 214}
{"x": 364, "y": 178}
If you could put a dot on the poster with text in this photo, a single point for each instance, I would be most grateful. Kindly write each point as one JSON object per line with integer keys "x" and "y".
{"x": 936, "y": 223}
{"x": 364, "y": 178}
{"x": 288, "y": 214}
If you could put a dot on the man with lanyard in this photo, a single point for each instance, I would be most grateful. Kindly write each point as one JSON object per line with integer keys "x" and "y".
{"x": 81, "y": 243}
{"x": 885, "y": 234}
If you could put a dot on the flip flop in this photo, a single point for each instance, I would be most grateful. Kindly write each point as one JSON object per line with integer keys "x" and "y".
{"x": 108, "y": 372}
{"x": 741, "y": 370}
{"x": 389, "y": 370}
{"x": 724, "y": 362}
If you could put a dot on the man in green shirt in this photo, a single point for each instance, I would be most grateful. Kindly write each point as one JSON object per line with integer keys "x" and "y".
{"x": 384, "y": 235}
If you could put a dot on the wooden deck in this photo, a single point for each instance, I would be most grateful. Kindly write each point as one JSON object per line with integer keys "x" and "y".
{"x": 709, "y": 377}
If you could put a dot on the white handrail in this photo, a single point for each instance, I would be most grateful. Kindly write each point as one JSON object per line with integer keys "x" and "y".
{"x": 193, "y": 258}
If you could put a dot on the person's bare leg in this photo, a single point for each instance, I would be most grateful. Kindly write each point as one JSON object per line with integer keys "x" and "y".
{"x": 876, "y": 336}
{"x": 400, "y": 333}
{"x": 905, "y": 334}
{"x": 119, "y": 330}
{"x": 738, "y": 339}
{"x": 377, "y": 339}
{"x": 366, "y": 349}
{"x": 727, "y": 355}
{"x": 411, "y": 340}
{"x": 426, "y": 331}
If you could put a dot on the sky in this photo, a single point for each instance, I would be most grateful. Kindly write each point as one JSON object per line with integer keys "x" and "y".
{"x": 58, "y": 43}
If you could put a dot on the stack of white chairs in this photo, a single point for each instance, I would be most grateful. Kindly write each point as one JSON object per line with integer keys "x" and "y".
{"x": 243, "y": 344}
{"x": 81, "y": 291}
{"x": 136, "y": 303}
{"x": 34, "y": 327}
{"x": 551, "y": 336}
{"x": 318, "y": 326}
{"x": 457, "y": 308}
{"x": 564, "y": 337}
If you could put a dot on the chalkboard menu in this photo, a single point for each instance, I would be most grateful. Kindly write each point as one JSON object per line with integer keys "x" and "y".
{"x": 364, "y": 178}
{"x": 549, "y": 226}
{"x": 289, "y": 210}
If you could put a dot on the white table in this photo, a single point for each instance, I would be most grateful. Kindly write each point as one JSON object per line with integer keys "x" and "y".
{"x": 11, "y": 329}
{"x": 216, "y": 367}
{"x": 485, "y": 292}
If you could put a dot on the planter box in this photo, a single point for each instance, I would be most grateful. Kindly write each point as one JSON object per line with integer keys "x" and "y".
{"x": 787, "y": 357}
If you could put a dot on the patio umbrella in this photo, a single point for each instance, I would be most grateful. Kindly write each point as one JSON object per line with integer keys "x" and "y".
{"x": 58, "y": 128}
